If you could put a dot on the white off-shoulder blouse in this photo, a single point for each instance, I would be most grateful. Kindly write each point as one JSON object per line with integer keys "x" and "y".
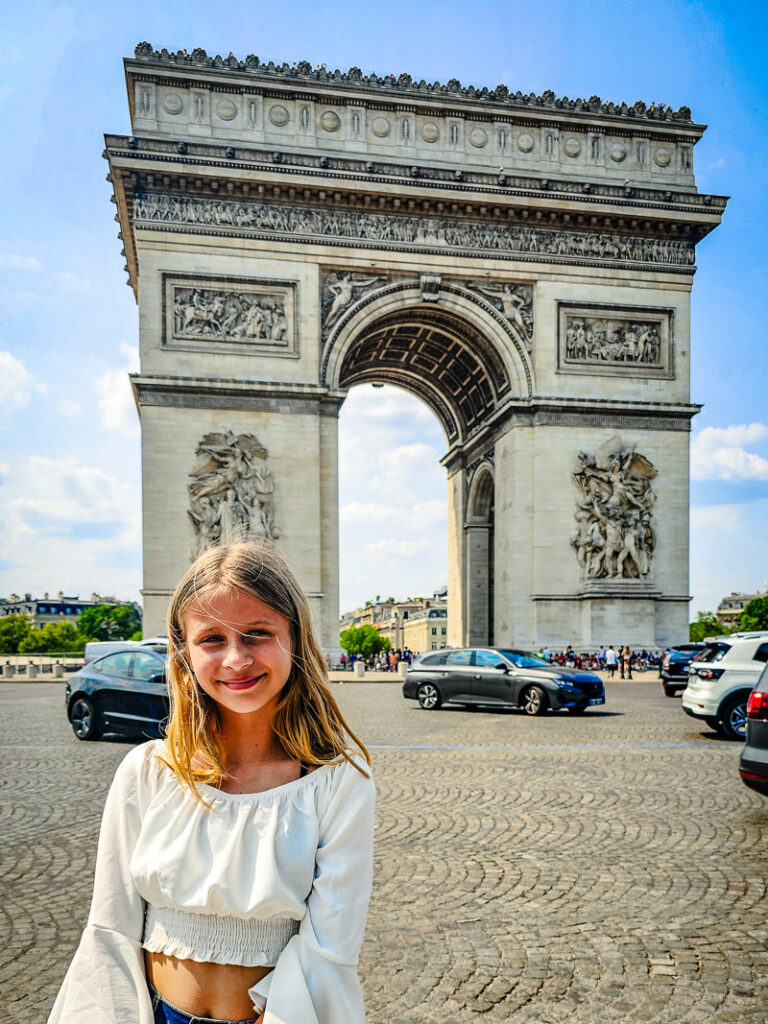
{"x": 277, "y": 878}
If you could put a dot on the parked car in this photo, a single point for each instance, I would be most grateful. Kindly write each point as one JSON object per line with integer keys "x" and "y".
{"x": 674, "y": 667}
{"x": 486, "y": 675}
{"x": 721, "y": 679}
{"x": 753, "y": 764}
{"x": 100, "y": 648}
{"x": 124, "y": 692}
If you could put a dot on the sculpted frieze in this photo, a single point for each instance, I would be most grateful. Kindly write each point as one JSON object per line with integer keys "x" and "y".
{"x": 231, "y": 491}
{"x": 402, "y": 229}
{"x": 614, "y": 536}
{"x": 615, "y": 340}
{"x": 233, "y": 312}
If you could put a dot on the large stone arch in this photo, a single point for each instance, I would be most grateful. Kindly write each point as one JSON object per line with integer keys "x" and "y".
{"x": 298, "y": 232}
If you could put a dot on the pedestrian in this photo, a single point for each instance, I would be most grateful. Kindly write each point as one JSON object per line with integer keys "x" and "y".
{"x": 627, "y": 657}
{"x": 235, "y": 859}
{"x": 601, "y": 657}
{"x": 343, "y": 663}
{"x": 611, "y": 661}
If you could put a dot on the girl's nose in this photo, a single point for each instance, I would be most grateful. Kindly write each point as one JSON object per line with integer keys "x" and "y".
{"x": 237, "y": 656}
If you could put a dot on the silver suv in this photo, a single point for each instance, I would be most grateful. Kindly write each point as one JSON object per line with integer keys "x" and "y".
{"x": 721, "y": 678}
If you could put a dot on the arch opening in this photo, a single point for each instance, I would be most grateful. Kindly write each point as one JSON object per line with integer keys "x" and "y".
{"x": 480, "y": 559}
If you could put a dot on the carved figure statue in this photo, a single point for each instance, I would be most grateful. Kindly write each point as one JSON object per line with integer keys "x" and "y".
{"x": 340, "y": 290}
{"x": 231, "y": 491}
{"x": 614, "y": 537}
{"x": 515, "y": 301}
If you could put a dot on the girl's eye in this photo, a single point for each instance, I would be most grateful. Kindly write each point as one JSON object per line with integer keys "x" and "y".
{"x": 213, "y": 639}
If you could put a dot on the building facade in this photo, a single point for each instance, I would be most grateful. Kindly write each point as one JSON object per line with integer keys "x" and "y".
{"x": 41, "y": 611}
{"x": 522, "y": 263}
{"x": 730, "y": 608}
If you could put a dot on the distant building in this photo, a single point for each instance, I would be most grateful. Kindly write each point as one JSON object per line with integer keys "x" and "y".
{"x": 420, "y": 623}
{"x": 44, "y": 610}
{"x": 730, "y": 608}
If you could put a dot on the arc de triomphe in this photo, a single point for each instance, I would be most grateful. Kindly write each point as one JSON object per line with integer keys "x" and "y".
{"x": 521, "y": 263}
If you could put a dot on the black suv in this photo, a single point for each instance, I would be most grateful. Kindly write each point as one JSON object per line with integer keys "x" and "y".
{"x": 674, "y": 667}
{"x": 499, "y": 675}
{"x": 753, "y": 764}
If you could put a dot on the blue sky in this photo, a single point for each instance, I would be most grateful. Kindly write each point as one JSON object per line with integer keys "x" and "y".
{"x": 69, "y": 452}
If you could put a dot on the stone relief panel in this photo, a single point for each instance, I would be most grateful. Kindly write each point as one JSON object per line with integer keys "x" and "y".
{"x": 514, "y": 302}
{"x": 343, "y": 289}
{"x": 401, "y": 229}
{"x": 614, "y": 536}
{"x": 615, "y": 340}
{"x": 229, "y": 313}
{"x": 231, "y": 491}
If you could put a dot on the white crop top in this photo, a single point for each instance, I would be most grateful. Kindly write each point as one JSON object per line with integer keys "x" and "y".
{"x": 277, "y": 878}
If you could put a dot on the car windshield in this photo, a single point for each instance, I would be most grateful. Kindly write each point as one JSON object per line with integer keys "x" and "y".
{"x": 713, "y": 652}
{"x": 524, "y": 659}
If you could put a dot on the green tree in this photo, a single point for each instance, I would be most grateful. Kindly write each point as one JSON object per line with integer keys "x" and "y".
{"x": 755, "y": 615}
{"x": 13, "y": 629}
{"x": 109, "y": 622}
{"x": 706, "y": 624}
{"x": 55, "y": 638}
{"x": 363, "y": 640}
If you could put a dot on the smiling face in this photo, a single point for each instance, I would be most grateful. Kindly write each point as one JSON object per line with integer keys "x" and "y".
{"x": 239, "y": 650}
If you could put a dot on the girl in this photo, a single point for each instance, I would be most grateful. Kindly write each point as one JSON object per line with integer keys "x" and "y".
{"x": 235, "y": 858}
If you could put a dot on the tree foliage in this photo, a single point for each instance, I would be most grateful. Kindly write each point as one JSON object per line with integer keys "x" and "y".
{"x": 706, "y": 624}
{"x": 109, "y": 622}
{"x": 13, "y": 629}
{"x": 364, "y": 640}
{"x": 55, "y": 638}
{"x": 755, "y": 615}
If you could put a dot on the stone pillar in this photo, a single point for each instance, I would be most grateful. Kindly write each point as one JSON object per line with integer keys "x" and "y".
{"x": 477, "y": 558}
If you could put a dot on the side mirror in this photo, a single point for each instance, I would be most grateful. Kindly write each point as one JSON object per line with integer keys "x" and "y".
{"x": 158, "y": 677}
{"x": 502, "y": 666}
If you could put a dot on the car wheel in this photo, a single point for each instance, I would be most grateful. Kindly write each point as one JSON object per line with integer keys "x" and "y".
{"x": 712, "y": 722}
{"x": 733, "y": 720}
{"x": 83, "y": 718}
{"x": 429, "y": 697}
{"x": 534, "y": 701}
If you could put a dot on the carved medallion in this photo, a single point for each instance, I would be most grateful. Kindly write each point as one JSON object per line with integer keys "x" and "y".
{"x": 173, "y": 103}
{"x": 231, "y": 491}
{"x": 478, "y": 137}
{"x": 614, "y": 536}
{"x": 618, "y": 152}
{"x": 381, "y": 127}
{"x": 430, "y": 132}
{"x": 572, "y": 147}
{"x": 278, "y": 115}
{"x": 525, "y": 142}
{"x": 330, "y": 121}
{"x": 226, "y": 110}
{"x": 663, "y": 157}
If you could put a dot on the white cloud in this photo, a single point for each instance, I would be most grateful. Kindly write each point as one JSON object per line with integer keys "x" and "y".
{"x": 14, "y": 261}
{"x": 17, "y": 385}
{"x": 420, "y": 516}
{"x": 69, "y": 408}
{"x": 70, "y": 282}
{"x": 720, "y": 518}
{"x": 398, "y": 548}
{"x": 117, "y": 409}
{"x": 718, "y": 453}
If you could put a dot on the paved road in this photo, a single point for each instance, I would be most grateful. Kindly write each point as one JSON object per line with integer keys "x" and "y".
{"x": 604, "y": 869}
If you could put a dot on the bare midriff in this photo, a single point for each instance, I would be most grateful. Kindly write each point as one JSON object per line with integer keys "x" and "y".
{"x": 204, "y": 989}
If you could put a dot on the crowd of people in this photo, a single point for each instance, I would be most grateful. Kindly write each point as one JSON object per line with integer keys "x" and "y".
{"x": 384, "y": 661}
{"x": 612, "y": 659}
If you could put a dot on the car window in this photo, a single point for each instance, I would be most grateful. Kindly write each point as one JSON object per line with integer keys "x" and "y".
{"x": 116, "y": 664}
{"x": 761, "y": 654}
{"x": 487, "y": 659}
{"x": 146, "y": 666}
{"x": 459, "y": 658}
{"x": 433, "y": 659}
{"x": 524, "y": 659}
{"x": 713, "y": 652}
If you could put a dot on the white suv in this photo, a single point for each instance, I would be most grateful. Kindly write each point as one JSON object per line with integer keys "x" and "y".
{"x": 721, "y": 678}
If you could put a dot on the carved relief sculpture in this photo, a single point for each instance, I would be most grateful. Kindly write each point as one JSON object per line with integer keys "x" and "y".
{"x": 614, "y": 538}
{"x": 231, "y": 491}
{"x": 589, "y": 339}
{"x": 227, "y": 315}
{"x": 437, "y": 232}
{"x": 515, "y": 302}
{"x": 340, "y": 290}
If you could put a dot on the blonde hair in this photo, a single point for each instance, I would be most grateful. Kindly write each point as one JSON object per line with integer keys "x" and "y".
{"x": 307, "y": 720}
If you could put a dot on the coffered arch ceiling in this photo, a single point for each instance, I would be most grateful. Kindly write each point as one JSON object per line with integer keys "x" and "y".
{"x": 438, "y": 356}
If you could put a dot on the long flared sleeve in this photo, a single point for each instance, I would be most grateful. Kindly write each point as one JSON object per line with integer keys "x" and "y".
{"x": 106, "y": 981}
{"x": 315, "y": 979}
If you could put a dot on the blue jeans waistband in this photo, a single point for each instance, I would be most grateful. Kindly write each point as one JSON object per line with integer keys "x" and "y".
{"x": 167, "y": 1013}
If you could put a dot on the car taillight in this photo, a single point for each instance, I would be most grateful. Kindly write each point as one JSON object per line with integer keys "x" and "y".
{"x": 757, "y": 705}
{"x": 709, "y": 673}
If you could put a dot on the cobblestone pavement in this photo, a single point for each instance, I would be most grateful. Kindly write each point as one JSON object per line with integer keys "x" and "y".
{"x": 597, "y": 869}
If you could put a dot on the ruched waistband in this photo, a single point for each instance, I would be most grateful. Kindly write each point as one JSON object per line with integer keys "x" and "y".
{"x": 209, "y": 938}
